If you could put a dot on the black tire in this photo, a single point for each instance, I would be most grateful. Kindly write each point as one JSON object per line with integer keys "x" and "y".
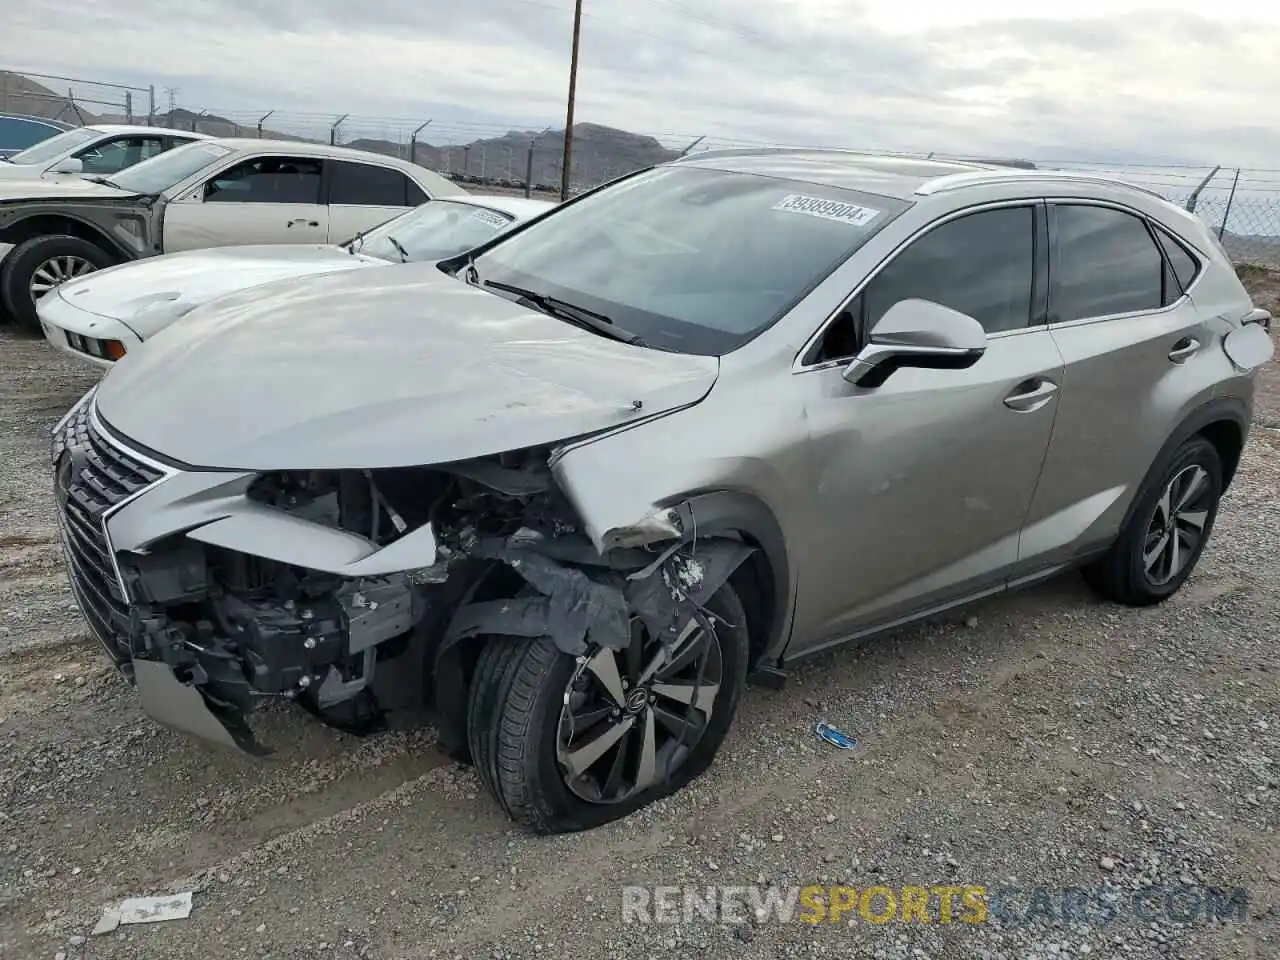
{"x": 513, "y": 719}
{"x": 1121, "y": 574}
{"x": 21, "y": 264}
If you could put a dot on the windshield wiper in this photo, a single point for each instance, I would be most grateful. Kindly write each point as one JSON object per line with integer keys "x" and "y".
{"x": 570, "y": 313}
{"x": 404, "y": 254}
{"x": 356, "y": 242}
{"x": 102, "y": 180}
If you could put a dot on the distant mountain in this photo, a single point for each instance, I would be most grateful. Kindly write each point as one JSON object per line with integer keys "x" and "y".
{"x": 19, "y": 94}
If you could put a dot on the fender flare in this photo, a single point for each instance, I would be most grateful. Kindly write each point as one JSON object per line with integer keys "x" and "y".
{"x": 1231, "y": 410}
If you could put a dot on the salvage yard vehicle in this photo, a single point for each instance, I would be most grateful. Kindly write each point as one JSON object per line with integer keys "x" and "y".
{"x": 18, "y": 131}
{"x": 215, "y": 193}
{"x": 102, "y": 317}
{"x": 99, "y": 149}
{"x": 566, "y": 493}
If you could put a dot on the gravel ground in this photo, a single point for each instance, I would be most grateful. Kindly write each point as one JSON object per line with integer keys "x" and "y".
{"x": 1038, "y": 739}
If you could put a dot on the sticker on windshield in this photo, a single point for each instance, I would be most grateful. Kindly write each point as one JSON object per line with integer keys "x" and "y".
{"x": 491, "y": 219}
{"x": 849, "y": 213}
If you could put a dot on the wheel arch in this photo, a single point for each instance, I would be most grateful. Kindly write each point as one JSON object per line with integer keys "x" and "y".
{"x": 764, "y": 582}
{"x": 62, "y": 224}
{"x": 1223, "y": 421}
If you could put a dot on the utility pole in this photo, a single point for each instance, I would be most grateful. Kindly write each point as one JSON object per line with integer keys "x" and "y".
{"x": 573, "y": 89}
{"x": 173, "y": 97}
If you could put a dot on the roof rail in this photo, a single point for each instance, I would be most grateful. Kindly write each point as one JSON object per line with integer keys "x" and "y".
{"x": 769, "y": 151}
{"x": 956, "y": 181}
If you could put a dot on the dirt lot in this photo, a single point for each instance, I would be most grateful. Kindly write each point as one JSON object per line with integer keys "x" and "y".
{"x": 1040, "y": 739}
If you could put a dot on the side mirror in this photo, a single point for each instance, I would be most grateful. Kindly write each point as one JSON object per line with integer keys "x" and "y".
{"x": 68, "y": 165}
{"x": 917, "y": 333}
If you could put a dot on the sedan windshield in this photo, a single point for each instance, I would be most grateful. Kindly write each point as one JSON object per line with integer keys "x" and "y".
{"x": 689, "y": 259}
{"x": 168, "y": 169}
{"x": 54, "y": 147}
{"x": 433, "y": 231}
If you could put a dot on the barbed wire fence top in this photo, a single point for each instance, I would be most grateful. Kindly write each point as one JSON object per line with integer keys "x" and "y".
{"x": 1240, "y": 204}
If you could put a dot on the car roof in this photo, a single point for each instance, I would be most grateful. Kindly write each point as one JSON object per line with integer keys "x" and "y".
{"x": 140, "y": 128}
{"x": 519, "y": 207}
{"x": 901, "y": 177}
{"x": 307, "y": 148}
{"x": 884, "y": 174}
{"x": 47, "y": 121}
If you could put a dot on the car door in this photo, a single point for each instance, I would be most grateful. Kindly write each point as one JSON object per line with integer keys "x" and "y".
{"x": 922, "y": 484}
{"x": 273, "y": 198}
{"x": 363, "y": 195}
{"x": 1132, "y": 341}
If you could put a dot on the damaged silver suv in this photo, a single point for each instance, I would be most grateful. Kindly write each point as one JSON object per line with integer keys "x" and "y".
{"x": 565, "y": 495}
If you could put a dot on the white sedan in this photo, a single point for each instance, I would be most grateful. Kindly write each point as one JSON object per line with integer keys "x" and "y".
{"x": 97, "y": 150}
{"x": 213, "y": 193}
{"x": 101, "y": 317}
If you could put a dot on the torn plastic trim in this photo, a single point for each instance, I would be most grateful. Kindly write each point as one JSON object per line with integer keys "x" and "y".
{"x": 581, "y": 609}
{"x": 262, "y": 531}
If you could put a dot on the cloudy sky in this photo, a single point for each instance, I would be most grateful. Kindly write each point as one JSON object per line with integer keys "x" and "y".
{"x": 1173, "y": 80}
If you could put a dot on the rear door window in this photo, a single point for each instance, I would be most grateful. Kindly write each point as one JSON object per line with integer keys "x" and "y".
{"x": 367, "y": 185}
{"x": 1104, "y": 262}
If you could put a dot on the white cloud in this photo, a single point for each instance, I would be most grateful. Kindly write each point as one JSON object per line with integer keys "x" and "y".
{"x": 1090, "y": 79}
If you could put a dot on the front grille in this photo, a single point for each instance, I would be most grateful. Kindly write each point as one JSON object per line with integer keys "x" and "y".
{"x": 92, "y": 475}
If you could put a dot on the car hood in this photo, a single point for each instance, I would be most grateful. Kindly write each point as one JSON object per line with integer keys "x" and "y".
{"x": 380, "y": 368}
{"x": 21, "y": 171}
{"x": 57, "y": 187}
{"x": 148, "y": 295}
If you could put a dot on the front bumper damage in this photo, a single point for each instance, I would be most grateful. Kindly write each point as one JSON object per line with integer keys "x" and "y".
{"x": 215, "y": 602}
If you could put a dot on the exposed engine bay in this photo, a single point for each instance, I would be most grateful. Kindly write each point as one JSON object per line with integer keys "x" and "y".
{"x": 380, "y": 651}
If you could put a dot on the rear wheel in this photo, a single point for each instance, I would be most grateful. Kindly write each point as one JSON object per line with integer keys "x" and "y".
{"x": 35, "y": 267}
{"x": 568, "y": 743}
{"x": 1163, "y": 539}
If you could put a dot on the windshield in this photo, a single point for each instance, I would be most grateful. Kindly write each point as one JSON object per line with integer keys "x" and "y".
{"x": 168, "y": 169}
{"x": 688, "y": 259}
{"x": 54, "y": 147}
{"x": 433, "y": 231}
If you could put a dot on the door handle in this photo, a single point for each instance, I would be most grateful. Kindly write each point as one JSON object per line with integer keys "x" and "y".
{"x": 1031, "y": 395}
{"x": 1183, "y": 349}
{"x": 304, "y": 221}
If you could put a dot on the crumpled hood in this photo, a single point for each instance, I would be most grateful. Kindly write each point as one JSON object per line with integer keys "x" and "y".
{"x": 147, "y": 295}
{"x": 57, "y": 187}
{"x": 380, "y": 368}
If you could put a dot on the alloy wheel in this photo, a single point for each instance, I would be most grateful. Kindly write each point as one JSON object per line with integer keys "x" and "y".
{"x": 631, "y": 717}
{"x": 1177, "y": 525}
{"x": 55, "y": 271}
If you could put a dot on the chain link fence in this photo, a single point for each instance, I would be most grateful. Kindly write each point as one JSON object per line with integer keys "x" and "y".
{"x": 1241, "y": 205}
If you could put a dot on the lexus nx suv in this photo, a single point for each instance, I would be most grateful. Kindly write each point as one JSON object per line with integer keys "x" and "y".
{"x": 566, "y": 494}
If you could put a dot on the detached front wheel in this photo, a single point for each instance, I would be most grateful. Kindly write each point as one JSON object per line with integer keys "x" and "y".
{"x": 569, "y": 743}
